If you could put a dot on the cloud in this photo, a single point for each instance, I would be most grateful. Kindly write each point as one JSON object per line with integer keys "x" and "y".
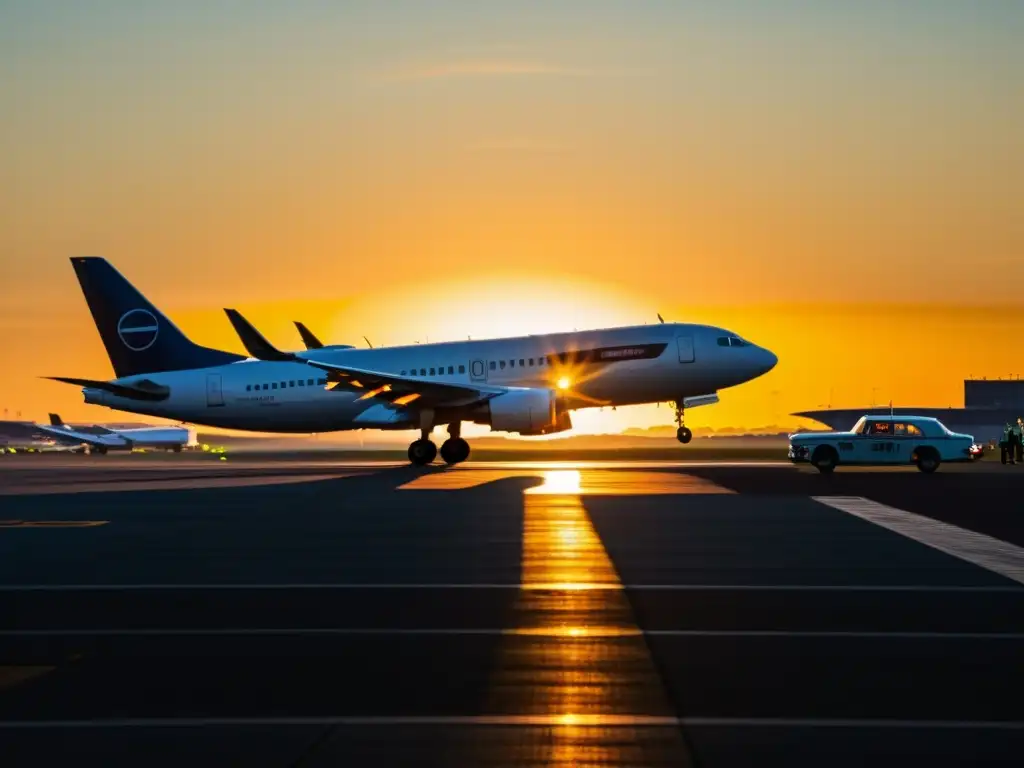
{"x": 485, "y": 68}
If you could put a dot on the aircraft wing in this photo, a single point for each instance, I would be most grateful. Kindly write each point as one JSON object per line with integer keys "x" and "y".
{"x": 400, "y": 390}
{"x": 66, "y": 435}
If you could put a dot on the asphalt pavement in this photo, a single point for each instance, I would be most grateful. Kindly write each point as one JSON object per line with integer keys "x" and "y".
{"x": 317, "y": 613}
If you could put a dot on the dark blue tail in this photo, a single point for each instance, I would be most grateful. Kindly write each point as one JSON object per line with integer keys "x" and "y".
{"x": 138, "y": 338}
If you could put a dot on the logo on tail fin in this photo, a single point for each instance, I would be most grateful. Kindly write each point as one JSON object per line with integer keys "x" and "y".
{"x": 138, "y": 329}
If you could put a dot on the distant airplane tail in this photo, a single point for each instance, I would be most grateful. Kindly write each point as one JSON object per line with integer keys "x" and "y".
{"x": 137, "y": 336}
{"x": 308, "y": 337}
{"x": 55, "y": 420}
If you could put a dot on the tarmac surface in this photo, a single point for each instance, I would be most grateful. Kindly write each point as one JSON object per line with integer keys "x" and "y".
{"x": 252, "y": 612}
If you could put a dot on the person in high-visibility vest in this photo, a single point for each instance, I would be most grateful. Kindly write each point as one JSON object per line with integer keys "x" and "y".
{"x": 1006, "y": 449}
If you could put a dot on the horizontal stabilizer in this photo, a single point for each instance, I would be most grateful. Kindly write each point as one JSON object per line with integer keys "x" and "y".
{"x": 254, "y": 341}
{"x": 142, "y": 390}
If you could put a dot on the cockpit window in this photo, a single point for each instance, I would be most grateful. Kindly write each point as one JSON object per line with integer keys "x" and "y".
{"x": 732, "y": 341}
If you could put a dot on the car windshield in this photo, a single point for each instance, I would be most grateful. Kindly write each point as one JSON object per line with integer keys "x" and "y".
{"x": 859, "y": 426}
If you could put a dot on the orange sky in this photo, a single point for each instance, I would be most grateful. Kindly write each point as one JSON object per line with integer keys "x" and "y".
{"x": 406, "y": 172}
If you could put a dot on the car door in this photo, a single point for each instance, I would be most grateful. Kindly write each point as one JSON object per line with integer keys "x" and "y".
{"x": 902, "y": 434}
{"x": 879, "y": 447}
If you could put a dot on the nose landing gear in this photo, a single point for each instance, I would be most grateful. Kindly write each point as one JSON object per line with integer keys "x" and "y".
{"x": 683, "y": 433}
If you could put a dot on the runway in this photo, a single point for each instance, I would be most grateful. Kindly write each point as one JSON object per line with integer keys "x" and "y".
{"x": 285, "y": 613}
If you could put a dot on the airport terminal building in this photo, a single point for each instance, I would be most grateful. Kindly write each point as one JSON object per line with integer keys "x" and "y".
{"x": 988, "y": 405}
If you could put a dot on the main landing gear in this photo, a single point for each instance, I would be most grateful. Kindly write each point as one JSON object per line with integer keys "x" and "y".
{"x": 454, "y": 450}
{"x": 683, "y": 433}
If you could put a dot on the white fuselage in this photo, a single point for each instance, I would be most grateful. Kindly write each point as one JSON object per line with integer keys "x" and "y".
{"x": 126, "y": 439}
{"x": 625, "y": 366}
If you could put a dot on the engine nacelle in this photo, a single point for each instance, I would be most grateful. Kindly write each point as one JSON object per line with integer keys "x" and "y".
{"x": 528, "y": 412}
{"x": 563, "y": 421}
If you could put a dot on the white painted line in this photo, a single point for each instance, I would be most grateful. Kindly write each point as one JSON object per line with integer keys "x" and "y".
{"x": 618, "y": 464}
{"x": 533, "y": 586}
{"x": 584, "y": 720}
{"x": 567, "y": 633}
{"x": 992, "y": 554}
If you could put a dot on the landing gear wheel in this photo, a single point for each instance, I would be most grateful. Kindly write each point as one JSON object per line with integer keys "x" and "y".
{"x": 454, "y": 450}
{"x": 683, "y": 433}
{"x": 422, "y": 452}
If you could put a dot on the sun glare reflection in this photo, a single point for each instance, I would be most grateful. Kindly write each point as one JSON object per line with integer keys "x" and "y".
{"x": 575, "y": 653}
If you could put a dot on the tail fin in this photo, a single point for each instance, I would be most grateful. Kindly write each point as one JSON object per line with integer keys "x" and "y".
{"x": 254, "y": 341}
{"x": 55, "y": 420}
{"x": 311, "y": 341}
{"x": 138, "y": 337}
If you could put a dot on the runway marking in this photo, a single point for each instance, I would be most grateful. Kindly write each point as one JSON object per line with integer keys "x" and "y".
{"x": 52, "y": 523}
{"x": 581, "y": 633}
{"x": 13, "y": 675}
{"x": 603, "y": 482}
{"x": 537, "y": 586}
{"x": 992, "y": 554}
{"x": 544, "y": 466}
{"x": 524, "y": 720}
{"x": 165, "y": 484}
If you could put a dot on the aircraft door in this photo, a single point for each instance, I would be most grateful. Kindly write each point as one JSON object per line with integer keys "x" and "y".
{"x": 685, "y": 344}
{"x": 214, "y": 392}
{"x": 477, "y": 370}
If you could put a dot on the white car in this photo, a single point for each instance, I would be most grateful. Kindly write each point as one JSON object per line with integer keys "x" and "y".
{"x": 873, "y": 440}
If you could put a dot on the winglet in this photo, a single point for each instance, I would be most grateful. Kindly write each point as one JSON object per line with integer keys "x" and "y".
{"x": 308, "y": 338}
{"x": 254, "y": 342}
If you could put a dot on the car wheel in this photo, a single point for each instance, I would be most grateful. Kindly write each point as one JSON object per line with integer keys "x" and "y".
{"x": 825, "y": 458}
{"x": 927, "y": 460}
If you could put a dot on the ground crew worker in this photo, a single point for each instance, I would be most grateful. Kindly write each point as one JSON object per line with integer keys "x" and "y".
{"x": 1006, "y": 450}
{"x": 1018, "y": 438}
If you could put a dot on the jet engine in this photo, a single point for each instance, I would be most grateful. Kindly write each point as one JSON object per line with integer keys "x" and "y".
{"x": 528, "y": 412}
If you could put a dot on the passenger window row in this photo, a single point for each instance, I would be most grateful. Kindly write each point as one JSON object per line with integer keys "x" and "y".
{"x": 524, "y": 362}
{"x": 439, "y": 371}
{"x": 285, "y": 384}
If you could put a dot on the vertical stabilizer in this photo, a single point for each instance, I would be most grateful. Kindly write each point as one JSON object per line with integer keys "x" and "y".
{"x": 308, "y": 338}
{"x": 138, "y": 337}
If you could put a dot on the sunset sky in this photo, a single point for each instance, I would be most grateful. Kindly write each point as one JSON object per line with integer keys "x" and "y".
{"x": 842, "y": 182}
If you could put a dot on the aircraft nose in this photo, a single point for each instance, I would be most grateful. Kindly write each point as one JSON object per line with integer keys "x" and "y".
{"x": 766, "y": 360}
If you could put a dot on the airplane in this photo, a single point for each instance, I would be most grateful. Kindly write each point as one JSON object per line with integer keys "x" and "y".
{"x": 527, "y": 385}
{"x": 102, "y": 439}
{"x": 312, "y": 342}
